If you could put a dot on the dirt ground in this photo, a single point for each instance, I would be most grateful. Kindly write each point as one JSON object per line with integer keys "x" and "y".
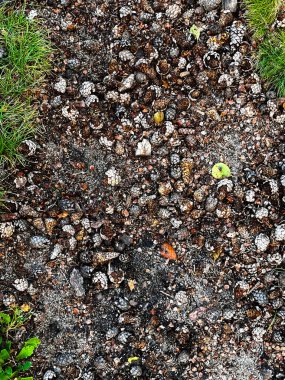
{"x": 82, "y": 238}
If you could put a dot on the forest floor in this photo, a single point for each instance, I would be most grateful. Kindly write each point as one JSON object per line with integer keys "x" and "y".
{"x": 94, "y": 214}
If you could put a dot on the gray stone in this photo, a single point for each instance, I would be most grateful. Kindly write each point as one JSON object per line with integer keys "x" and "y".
{"x": 49, "y": 375}
{"x": 230, "y": 5}
{"x": 39, "y": 242}
{"x": 64, "y": 359}
{"x": 136, "y": 371}
{"x": 76, "y": 281}
{"x": 209, "y": 5}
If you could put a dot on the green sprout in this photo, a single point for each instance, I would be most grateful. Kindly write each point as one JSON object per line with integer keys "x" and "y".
{"x": 13, "y": 362}
{"x": 195, "y": 31}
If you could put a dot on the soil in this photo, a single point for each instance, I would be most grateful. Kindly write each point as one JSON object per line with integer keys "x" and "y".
{"x": 93, "y": 217}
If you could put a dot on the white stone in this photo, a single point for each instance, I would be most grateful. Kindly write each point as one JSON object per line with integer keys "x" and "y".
{"x": 113, "y": 177}
{"x": 68, "y": 228}
{"x": 69, "y": 113}
{"x": 49, "y": 375}
{"x": 100, "y": 280}
{"x": 125, "y": 11}
{"x": 173, "y": 11}
{"x": 6, "y": 230}
{"x": 60, "y": 85}
{"x": 261, "y": 213}
{"x": 250, "y": 196}
{"x": 230, "y": 5}
{"x": 126, "y": 55}
{"x": 91, "y": 99}
{"x": 227, "y": 183}
{"x": 39, "y": 242}
{"x": 32, "y": 147}
{"x": 21, "y": 284}
{"x": 258, "y": 333}
{"x": 127, "y": 83}
{"x": 280, "y": 232}
{"x": 143, "y": 148}
{"x": 33, "y": 13}
{"x": 181, "y": 297}
{"x": 57, "y": 249}
{"x": 86, "y": 89}
{"x": 262, "y": 242}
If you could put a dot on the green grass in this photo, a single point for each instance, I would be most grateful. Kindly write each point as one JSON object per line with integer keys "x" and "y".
{"x": 2, "y": 198}
{"x": 17, "y": 123}
{"x": 261, "y": 14}
{"x": 22, "y": 69}
{"x": 26, "y": 58}
{"x": 271, "y": 61}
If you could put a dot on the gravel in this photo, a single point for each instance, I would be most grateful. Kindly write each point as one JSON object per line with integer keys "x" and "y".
{"x": 83, "y": 234}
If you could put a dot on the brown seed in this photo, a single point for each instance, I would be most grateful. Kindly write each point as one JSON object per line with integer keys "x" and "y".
{"x": 183, "y": 104}
{"x": 160, "y": 104}
{"x": 274, "y": 294}
{"x": 146, "y": 6}
{"x": 148, "y": 70}
{"x": 113, "y": 66}
{"x": 253, "y": 313}
{"x": 163, "y": 67}
{"x": 226, "y": 19}
{"x": 195, "y": 94}
{"x": 186, "y": 167}
{"x": 149, "y": 96}
{"x": 165, "y": 188}
{"x": 104, "y": 257}
{"x": 149, "y": 49}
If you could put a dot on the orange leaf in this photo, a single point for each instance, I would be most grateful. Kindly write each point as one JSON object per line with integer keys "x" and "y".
{"x": 165, "y": 83}
{"x": 168, "y": 252}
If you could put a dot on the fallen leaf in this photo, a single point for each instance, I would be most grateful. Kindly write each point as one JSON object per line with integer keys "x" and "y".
{"x": 217, "y": 253}
{"x": 158, "y": 117}
{"x": 131, "y": 284}
{"x": 63, "y": 215}
{"x": 133, "y": 359}
{"x": 25, "y": 307}
{"x": 80, "y": 235}
{"x": 84, "y": 186}
{"x": 165, "y": 83}
{"x": 168, "y": 252}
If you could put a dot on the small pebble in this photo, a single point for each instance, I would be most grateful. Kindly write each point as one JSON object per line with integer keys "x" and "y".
{"x": 21, "y": 284}
{"x": 76, "y": 281}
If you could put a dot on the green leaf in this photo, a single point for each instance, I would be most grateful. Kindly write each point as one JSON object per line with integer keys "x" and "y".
{"x": 25, "y": 378}
{"x": 8, "y": 371}
{"x": 195, "y": 31}
{"x": 35, "y": 342}
{"x": 3, "y": 376}
{"x": 29, "y": 346}
{"x": 8, "y": 345}
{"x": 4, "y": 354}
{"x": 25, "y": 366}
{"x": 1, "y": 340}
{"x": 25, "y": 352}
{"x": 220, "y": 171}
{"x": 5, "y": 318}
